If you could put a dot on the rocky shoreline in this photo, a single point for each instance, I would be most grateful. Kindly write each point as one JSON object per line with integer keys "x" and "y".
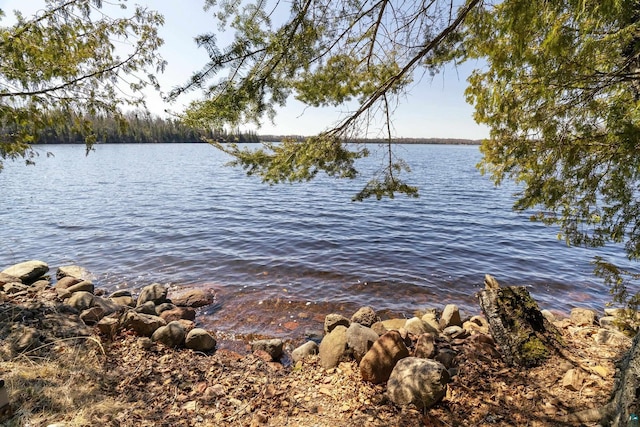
{"x": 419, "y": 366}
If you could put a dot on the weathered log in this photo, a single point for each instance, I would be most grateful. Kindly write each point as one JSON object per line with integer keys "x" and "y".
{"x": 525, "y": 336}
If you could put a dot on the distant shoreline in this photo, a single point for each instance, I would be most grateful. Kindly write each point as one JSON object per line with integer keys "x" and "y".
{"x": 278, "y": 138}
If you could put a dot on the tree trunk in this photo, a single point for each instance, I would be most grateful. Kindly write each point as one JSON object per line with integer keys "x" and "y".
{"x": 625, "y": 400}
{"x": 525, "y": 336}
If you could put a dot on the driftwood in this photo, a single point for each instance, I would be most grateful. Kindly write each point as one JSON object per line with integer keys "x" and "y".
{"x": 525, "y": 336}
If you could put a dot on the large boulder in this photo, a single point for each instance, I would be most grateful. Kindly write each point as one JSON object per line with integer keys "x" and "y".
{"x": 154, "y": 292}
{"x": 28, "y": 271}
{"x": 200, "y": 340}
{"x": 360, "y": 339}
{"x": 332, "y": 320}
{"x": 333, "y": 347}
{"x": 142, "y": 324}
{"x": 422, "y": 382}
{"x": 171, "y": 335}
{"x": 193, "y": 298}
{"x": 379, "y": 361}
{"x": 365, "y": 316}
{"x": 74, "y": 271}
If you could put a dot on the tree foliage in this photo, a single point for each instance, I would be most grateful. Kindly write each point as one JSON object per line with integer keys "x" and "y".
{"x": 70, "y": 60}
{"x": 361, "y": 54}
{"x": 561, "y": 96}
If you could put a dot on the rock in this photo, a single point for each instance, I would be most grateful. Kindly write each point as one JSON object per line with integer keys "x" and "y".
{"x": 65, "y": 282}
{"x": 14, "y": 288}
{"x": 188, "y": 325}
{"x": 332, "y": 320}
{"x": 81, "y": 300}
{"x": 171, "y": 335}
{"x": 154, "y": 292}
{"x": 142, "y": 324}
{"x": 425, "y": 347}
{"x": 333, "y": 346}
{"x": 108, "y": 326}
{"x": 144, "y": 343}
{"x": 583, "y": 317}
{"x": 548, "y": 315}
{"x": 7, "y": 278}
{"x": 26, "y": 339}
{"x": 573, "y": 380}
{"x": 446, "y": 357}
{"x": 450, "y": 316}
{"x": 360, "y": 339}
{"x": 379, "y": 361}
{"x": 417, "y": 326}
{"x": 193, "y": 298}
{"x": 84, "y": 286}
{"x": 365, "y": 316}
{"x": 455, "y": 332}
{"x": 39, "y": 285}
{"x": 612, "y": 337}
{"x": 124, "y": 301}
{"x": 272, "y": 347}
{"x": 379, "y": 328}
{"x": 200, "y": 340}
{"x": 178, "y": 313}
{"x": 73, "y": 271}
{"x": 92, "y": 315}
{"x": 148, "y": 307}
{"x": 307, "y": 349}
{"x": 121, "y": 293}
{"x": 431, "y": 318}
{"x": 108, "y": 305}
{"x": 164, "y": 307}
{"x": 394, "y": 324}
{"x": 422, "y": 382}
{"x": 28, "y": 271}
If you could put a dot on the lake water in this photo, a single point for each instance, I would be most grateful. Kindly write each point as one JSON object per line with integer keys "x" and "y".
{"x": 281, "y": 257}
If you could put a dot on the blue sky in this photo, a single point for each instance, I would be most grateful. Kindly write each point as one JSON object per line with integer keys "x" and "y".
{"x": 435, "y": 108}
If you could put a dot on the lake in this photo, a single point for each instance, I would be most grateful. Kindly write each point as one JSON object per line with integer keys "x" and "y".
{"x": 281, "y": 257}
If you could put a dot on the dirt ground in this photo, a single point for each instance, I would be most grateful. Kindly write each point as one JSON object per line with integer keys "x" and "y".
{"x": 128, "y": 381}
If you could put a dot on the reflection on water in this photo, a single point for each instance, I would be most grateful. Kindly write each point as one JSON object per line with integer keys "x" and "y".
{"x": 281, "y": 257}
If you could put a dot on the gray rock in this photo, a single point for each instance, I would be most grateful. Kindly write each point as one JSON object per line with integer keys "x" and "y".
{"x": 148, "y": 307}
{"x": 612, "y": 337}
{"x": 378, "y": 363}
{"x": 144, "y": 343}
{"x": 193, "y": 298}
{"x": 307, "y": 349}
{"x": 394, "y": 324}
{"x": 200, "y": 340}
{"x": 74, "y": 271}
{"x": 417, "y": 326}
{"x": 154, "y": 292}
{"x": 142, "y": 324}
{"x": 272, "y": 347}
{"x": 426, "y": 347}
{"x": 107, "y": 305}
{"x": 164, "y": 307}
{"x": 431, "y": 318}
{"x": 171, "y": 335}
{"x": 450, "y": 316}
{"x": 28, "y": 271}
{"x": 333, "y": 347}
{"x": 332, "y": 320}
{"x": 582, "y": 317}
{"x": 81, "y": 300}
{"x": 92, "y": 315}
{"x": 121, "y": 293}
{"x": 108, "y": 326}
{"x": 39, "y": 285}
{"x": 125, "y": 301}
{"x": 455, "y": 332}
{"x": 360, "y": 339}
{"x": 476, "y": 324}
{"x": 66, "y": 282}
{"x": 178, "y": 313}
{"x": 365, "y": 316}
{"x": 85, "y": 286}
{"x": 422, "y": 382}
{"x": 446, "y": 357}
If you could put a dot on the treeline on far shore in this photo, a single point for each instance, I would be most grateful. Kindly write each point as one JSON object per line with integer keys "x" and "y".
{"x": 132, "y": 128}
{"x": 143, "y": 127}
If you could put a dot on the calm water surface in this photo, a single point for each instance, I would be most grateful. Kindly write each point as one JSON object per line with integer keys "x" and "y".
{"x": 282, "y": 257}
